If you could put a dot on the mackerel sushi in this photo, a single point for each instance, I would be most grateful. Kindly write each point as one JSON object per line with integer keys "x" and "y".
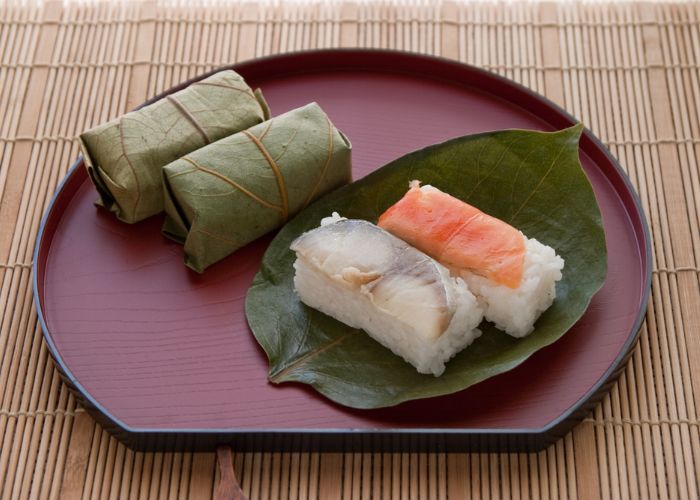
{"x": 363, "y": 276}
{"x": 514, "y": 277}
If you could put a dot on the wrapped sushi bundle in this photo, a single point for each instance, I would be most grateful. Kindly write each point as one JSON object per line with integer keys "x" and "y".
{"x": 363, "y": 276}
{"x": 224, "y": 195}
{"x": 513, "y": 276}
{"x": 124, "y": 157}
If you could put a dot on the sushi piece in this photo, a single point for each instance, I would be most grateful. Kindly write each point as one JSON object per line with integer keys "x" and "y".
{"x": 365, "y": 277}
{"x": 513, "y": 276}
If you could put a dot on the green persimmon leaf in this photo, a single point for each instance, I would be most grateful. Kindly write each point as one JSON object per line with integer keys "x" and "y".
{"x": 532, "y": 180}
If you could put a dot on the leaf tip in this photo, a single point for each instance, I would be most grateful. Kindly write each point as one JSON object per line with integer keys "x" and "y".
{"x": 577, "y": 129}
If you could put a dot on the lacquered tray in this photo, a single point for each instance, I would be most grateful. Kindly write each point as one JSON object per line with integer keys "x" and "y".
{"x": 163, "y": 357}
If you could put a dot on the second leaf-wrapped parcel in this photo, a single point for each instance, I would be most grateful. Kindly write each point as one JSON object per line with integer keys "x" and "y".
{"x": 223, "y": 196}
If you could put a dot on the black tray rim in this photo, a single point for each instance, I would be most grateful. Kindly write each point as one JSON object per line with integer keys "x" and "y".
{"x": 342, "y": 439}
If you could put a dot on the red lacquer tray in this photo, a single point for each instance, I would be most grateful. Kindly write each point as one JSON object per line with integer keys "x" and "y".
{"x": 164, "y": 359}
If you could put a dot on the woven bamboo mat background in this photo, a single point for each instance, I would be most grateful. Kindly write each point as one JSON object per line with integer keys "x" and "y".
{"x": 629, "y": 71}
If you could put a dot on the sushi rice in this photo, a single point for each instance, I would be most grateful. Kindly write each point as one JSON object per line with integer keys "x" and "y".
{"x": 515, "y": 310}
{"x": 363, "y": 276}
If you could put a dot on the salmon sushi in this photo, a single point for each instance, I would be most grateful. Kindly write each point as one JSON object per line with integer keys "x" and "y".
{"x": 366, "y": 278}
{"x": 514, "y": 277}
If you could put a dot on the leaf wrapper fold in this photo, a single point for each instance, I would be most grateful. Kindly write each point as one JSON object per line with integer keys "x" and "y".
{"x": 225, "y": 195}
{"x": 124, "y": 157}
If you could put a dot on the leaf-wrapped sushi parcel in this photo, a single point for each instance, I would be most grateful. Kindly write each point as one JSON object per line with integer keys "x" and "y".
{"x": 225, "y": 195}
{"x": 124, "y": 157}
{"x": 530, "y": 180}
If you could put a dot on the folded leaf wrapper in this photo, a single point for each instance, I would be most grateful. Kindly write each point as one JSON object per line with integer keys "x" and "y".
{"x": 124, "y": 157}
{"x": 223, "y": 196}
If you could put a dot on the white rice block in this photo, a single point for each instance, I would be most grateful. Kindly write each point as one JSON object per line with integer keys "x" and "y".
{"x": 515, "y": 310}
{"x": 361, "y": 275}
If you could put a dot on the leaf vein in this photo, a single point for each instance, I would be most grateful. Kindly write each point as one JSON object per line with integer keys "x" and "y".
{"x": 279, "y": 376}
{"x": 493, "y": 168}
{"x": 245, "y": 91}
{"x": 190, "y": 117}
{"x": 233, "y": 183}
{"x": 532, "y": 193}
{"x": 278, "y": 174}
{"x": 517, "y": 175}
{"x": 285, "y": 145}
{"x": 324, "y": 171}
{"x": 215, "y": 236}
{"x": 267, "y": 129}
{"x": 131, "y": 166}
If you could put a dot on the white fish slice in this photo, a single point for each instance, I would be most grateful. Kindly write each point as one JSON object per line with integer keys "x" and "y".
{"x": 363, "y": 276}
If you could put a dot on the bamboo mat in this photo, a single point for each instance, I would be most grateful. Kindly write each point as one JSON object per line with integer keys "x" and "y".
{"x": 631, "y": 72}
